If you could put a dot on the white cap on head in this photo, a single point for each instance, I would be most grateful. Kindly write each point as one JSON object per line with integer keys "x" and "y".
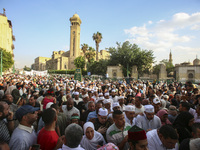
{"x": 113, "y": 90}
{"x": 165, "y": 96}
{"x": 149, "y": 108}
{"x": 100, "y": 94}
{"x": 129, "y": 108}
{"x": 103, "y": 112}
{"x": 106, "y": 101}
{"x": 76, "y": 93}
{"x": 49, "y": 105}
{"x": 106, "y": 94}
{"x": 84, "y": 96}
{"x": 156, "y": 101}
{"x": 130, "y": 90}
{"x": 120, "y": 97}
{"x": 116, "y": 104}
{"x": 101, "y": 98}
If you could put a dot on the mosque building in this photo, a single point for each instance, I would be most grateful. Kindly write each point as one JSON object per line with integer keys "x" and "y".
{"x": 6, "y": 33}
{"x": 62, "y": 60}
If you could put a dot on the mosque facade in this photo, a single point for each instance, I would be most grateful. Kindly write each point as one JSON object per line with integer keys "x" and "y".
{"x": 6, "y": 34}
{"x": 64, "y": 60}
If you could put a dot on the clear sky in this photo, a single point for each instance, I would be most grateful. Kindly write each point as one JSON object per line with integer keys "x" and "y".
{"x": 43, "y": 26}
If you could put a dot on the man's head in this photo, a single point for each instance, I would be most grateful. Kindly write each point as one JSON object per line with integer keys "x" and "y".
{"x": 73, "y": 135}
{"x": 137, "y": 138}
{"x": 156, "y": 104}
{"x": 107, "y": 103}
{"x": 121, "y": 100}
{"x": 116, "y": 106}
{"x": 149, "y": 112}
{"x": 98, "y": 106}
{"x": 138, "y": 101}
{"x": 27, "y": 114}
{"x": 168, "y": 136}
{"x": 49, "y": 116}
{"x": 184, "y": 106}
{"x": 91, "y": 106}
{"x": 8, "y": 98}
{"x": 130, "y": 111}
{"x": 102, "y": 115}
{"x": 32, "y": 100}
{"x": 76, "y": 95}
{"x": 4, "y": 110}
{"x": 196, "y": 130}
{"x": 70, "y": 103}
{"x": 118, "y": 118}
{"x": 85, "y": 98}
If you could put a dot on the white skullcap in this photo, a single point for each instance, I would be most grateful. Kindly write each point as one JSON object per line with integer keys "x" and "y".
{"x": 49, "y": 105}
{"x": 129, "y": 108}
{"x": 95, "y": 90}
{"x": 100, "y": 94}
{"x": 120, "y": 97}
{"x": 149, "y": 108}
{"x": 115, "y": 104}
{"x": 113, "y": 90}
{"x": 130, "y": 90}
{"x": 106, "y": 101}
{"x": 165, "y": 96}
{"x": 106, "y": 94}
{"x": 101, "y": 98}
{"x": 103, "y": 112}
{"x": 76, "y": 93}
{"x": 156, "y": 101}
{"x": 84, "y": 96}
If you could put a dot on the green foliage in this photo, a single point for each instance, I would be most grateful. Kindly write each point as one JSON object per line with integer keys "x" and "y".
{"x": 169, "y": 65}
{"x": 27, "y": 68}
{"x": 79, "y": 62}
{"x": 7, "y": 59}
{"x": 98, "y": 67}
{"x": 97, "y": 38}
{"x": 90, "y": 54}
{"x": 129, "y": 55}
{"x": 156, "y": 70}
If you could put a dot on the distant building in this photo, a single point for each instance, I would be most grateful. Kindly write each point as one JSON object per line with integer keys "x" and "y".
{"x": 62, "y": 60}
{"x": 187, "y": 71}
{"x": 6, "y": 34}
{"x": 170, "y": 57}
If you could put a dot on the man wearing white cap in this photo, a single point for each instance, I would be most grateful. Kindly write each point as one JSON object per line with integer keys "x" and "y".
{"x": 107, "y": 104}
{"x": 121, "y": 103}
{"x": 106, "y": 95}
{"x": 156, "y": 104}
{"x": 130, "y": 115}
{"x": 148, "y": 120}
{"x": 102, "y": 123}
{"x": 116, "y": 106}
{"x": 76, "y": 99}
{"x": 113, "y": 96}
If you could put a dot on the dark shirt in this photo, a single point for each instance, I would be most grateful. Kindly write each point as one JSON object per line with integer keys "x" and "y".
{"x": 4, "y": 133}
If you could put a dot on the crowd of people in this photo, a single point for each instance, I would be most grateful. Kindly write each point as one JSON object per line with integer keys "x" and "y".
{"x": 56, "y": 112}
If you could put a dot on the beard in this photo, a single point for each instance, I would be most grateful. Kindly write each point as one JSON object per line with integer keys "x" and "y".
{"x": 4, "y": 116}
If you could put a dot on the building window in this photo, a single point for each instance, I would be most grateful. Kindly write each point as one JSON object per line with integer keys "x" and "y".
{"x": 190, "y": 76}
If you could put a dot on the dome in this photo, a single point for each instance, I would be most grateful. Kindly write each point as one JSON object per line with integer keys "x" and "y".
{"x": 196, "y": 62}
{"x": 76, "y": 16}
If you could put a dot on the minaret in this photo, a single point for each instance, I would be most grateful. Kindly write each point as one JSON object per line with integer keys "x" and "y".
{"x": 74, "y": 39}
{"x": 170, "y": 57}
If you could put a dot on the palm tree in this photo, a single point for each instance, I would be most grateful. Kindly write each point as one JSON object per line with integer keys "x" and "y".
{"x": 84, "y": 48}
{"x": 90, "y": 54}
{"x": 97, "y": 38}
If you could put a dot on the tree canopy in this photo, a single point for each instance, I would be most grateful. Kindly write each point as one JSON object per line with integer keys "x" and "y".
{"x": 7, "y": 59}
{"x": 129, "y": 55}
{"x": 97, "y": 38}
{"x": 79, "y": 62}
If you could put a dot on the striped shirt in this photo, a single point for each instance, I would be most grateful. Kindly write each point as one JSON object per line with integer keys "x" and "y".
{"x": 4, "y": 133}
{"x": 115, "y": 135}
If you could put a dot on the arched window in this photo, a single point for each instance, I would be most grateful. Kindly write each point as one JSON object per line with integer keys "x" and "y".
{"x": 190, "y": 76}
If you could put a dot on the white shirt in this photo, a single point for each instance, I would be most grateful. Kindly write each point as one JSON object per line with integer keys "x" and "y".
{"x": 154, "y": 142}
{"x": 144, "y": 123}
{"x": 69, "y": 113}
{"x": 129, "y": 122}
{"x": 64, "y": 147}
